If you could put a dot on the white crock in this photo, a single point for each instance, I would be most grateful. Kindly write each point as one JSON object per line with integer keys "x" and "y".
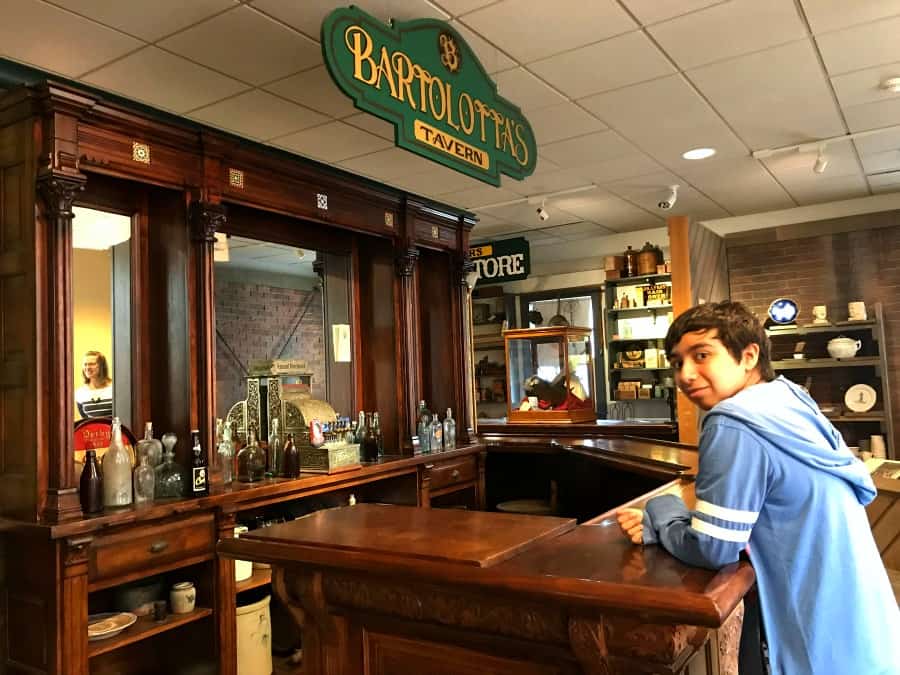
{"x": 843, "y": 347}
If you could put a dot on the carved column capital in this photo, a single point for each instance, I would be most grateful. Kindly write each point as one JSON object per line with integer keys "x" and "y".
{"x": 406, "y": 261}
{"x": 58, "y": 194}
{"x": 465, "y": 267}
{"x": 206, "y": 219}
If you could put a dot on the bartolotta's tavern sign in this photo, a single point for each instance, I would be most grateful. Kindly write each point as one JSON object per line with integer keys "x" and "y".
{"x": 422, "y": 77}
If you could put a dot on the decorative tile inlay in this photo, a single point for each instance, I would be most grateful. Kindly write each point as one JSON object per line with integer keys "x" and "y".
{"x": 140, "y": 152}
{"x": 435, "y": 232}
{"x": 389, "y": 219}
{"x": 322, "y": 201}
{"x": 236, "y": 178}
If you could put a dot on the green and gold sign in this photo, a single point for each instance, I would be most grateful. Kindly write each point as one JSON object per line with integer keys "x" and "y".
{"x": 423, "y": 78}
{"x": 504, "y": 260}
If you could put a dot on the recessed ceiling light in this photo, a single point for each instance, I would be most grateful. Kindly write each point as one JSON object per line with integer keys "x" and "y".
{"x": 891, "y": 84}
{"x": 699, "y": 153}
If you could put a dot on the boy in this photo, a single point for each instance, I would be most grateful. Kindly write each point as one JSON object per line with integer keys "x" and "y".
{"x": 776, "y": 477}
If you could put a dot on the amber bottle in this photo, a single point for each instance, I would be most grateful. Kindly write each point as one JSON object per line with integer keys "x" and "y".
{"x": 91, "y": 484}
{"x": 290, "y": 462}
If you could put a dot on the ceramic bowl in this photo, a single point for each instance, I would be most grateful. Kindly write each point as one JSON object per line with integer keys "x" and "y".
{"x": 843, "y": 347}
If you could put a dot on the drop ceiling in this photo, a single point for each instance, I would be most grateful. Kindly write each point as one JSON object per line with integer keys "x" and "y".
{"x": 615, "y": 90}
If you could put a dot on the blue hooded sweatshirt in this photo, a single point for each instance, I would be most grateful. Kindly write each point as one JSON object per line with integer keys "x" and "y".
{"x": 777, "y": 477}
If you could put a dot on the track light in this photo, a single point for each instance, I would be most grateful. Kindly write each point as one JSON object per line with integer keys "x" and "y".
{"x": 821, "y": 160}
{"x": 669, "y": 199}
{"x": 542, "y": 212}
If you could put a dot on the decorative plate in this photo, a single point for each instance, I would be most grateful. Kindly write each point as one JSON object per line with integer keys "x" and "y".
{"x": 108, "y": 624}
{"x": 860, "y": 398}
{"x": 783, "y": 311}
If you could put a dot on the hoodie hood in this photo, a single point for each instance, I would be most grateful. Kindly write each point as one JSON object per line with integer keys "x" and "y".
{"x": 785, "y": 416}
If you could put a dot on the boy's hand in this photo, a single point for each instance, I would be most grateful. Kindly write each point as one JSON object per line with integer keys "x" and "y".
{"x": 632, "y": 523}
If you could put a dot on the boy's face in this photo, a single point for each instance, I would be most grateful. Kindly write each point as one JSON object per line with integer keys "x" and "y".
{"x": 707, "y": 372}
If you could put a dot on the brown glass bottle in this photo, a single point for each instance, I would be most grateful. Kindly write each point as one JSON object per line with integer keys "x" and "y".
{"x": 290, "y": 459}
{"x": 91, "y": 484}
{"x": 369, "y": 449}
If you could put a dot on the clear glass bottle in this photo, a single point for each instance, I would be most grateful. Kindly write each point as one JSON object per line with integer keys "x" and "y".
{"x": 117, "y": 466}
{"x": 290, "y": 466}
{"x": 350, "y": 436}
{"x": 276, "y": 449}
{"x": 226, "y": 454}
{"x": 361, "y": 427}
{"x": 251, "y": 460}
{"x": 423, "y": 428}
{"x": 199, "y": 468}
{"x": 91, "y": 484}
{"x": 449, "y": 431}
{"x": 437, "y": 434}
{"x": 169, "y": 476}
{"x": 379, "y": 437}
{"x": 150, "y": 446}
{"x": 144, "y": 479}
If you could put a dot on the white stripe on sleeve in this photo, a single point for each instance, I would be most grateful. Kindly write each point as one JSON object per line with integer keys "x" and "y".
{"x": 734, "y": 515}
{"x": 739, "y": 536}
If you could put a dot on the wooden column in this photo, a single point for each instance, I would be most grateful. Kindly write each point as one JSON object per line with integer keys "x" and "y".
{"x": 57, "y": 190}
{"x": 409, "y": 352}
{"x": 73, "y": 642}
{"x": 462, "y": 322}
{"x": 206, "y": 218}
{"x": 680, "y": 252}
{"x": 226, "y": 601}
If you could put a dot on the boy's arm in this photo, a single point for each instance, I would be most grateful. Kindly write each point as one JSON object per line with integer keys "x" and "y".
{"x": 731, "y": 486}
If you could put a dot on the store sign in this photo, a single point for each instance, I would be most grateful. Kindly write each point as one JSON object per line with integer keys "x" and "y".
{"x": 499, "y": 261}
{"x": 423, "y": 78}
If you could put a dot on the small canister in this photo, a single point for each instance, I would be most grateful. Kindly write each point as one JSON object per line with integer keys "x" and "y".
{"x": 647, "y": 259}
{"x": 183, "y": 597}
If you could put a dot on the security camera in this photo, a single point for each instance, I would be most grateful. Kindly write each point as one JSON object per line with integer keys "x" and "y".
{"x": 542, "y": 213}
{"x": 669, "y": 200}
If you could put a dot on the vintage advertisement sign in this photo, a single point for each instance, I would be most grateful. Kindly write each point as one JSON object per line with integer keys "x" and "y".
{"x": 423, "y": 78}
{"x": 499, "y": 261}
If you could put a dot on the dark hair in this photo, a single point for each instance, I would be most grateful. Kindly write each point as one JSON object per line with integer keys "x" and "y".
{"x": 102, "y": 368}
{"x": 737, "y": 328}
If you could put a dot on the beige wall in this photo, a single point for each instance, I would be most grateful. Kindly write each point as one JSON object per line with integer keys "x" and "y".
{"x": 92, "y": 301}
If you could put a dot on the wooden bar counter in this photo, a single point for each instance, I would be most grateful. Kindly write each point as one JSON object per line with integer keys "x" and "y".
{"x": 391, "y": 589}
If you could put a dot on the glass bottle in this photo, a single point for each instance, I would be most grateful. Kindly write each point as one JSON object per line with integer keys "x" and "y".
{"x": 226, "y": 453}
{"x": 379, "y": 437}
{"x": 423, "y": 428}
{"x": 276, "y": 450}
{"x": 437, "y": 434}
{"x": 150, "y": 446}
{"x": 350, "y": 436}
{"x": 116, "y": 470}
{"x": 361, "y": 427}
{"x": 369, "y": 449}
{"x": 251, "y": 460}
{"x": 199, "y": 468}
{"x": 91, "y": 484}
{"x": 449, "y": 431}
{"x": 144, "y": 479}
{"x": 169, "y": 477}
{"x": 290, "y": 466}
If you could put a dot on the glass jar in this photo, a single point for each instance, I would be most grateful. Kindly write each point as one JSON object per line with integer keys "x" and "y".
{"x": 226, "y": 454}
{"x": 116, "y": 470}
{"x": 150, "y": 446}
{"x": 144, "y": 480}
{"x": 251, "y": 460}
{"x": 169, "y": 476}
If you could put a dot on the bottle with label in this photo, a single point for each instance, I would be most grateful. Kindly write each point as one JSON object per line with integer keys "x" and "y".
{"x": 290, "y": 464}
{"x": 150, "y": 446}
{"x": 449, "y": 431}
{"x": 116, "y": 470}
{"x": 423, "y": 428}
{"x": 251, "y": 460}
{"x": 369, "y": 450}
{"x": 225, "y": 451}
{"x": 276, "y": 450}
{"x": 144, "y": 480}
{"x": 199, "y": 468}
{"x": 379, "y": 437}
{"x": 437, "y": 434}
{"x": 91, "y": 484}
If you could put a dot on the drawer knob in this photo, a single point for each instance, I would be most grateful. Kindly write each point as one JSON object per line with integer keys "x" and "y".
{"x": 159, "y": 546}
{"x": 454, "y": 473}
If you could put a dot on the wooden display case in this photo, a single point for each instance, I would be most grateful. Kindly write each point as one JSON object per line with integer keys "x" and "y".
{"x": 550, "y": 375}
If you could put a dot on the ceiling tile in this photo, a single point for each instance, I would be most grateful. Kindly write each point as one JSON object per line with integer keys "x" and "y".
{"x": 436, "y": 181}
{"x": 523, "y": 89}
{"x": 740, "y": 184}
{"x": 873, "y": 115}
{"x": 828, "y": 15}
{"x": 484, "y": 231}
{"x": 315, "y": 89}
{"x": 860, "y": 47}
{"x": 526, "y": 215}
{"x": 147, "y": 20}
{"x": 531, "y": 29}
{"x": 830, "y": 189}
{"x": 549, "y": 181}
{"x": 862, "y": 86}
{"x": 307, "y": 16}
{"x": 869, "y": 145}
{"x": 332, "y": 142}
{"x": 881, "y": 162}
{"x": 246, "y": 45}
{"x": 614, "y": 63}
{"x": 492, "y": 59}
{"x": 577, "y": 231}
{"x": 40, "y": 35}
{"x": 146, "y": 76}
{"x": 457, "y": 7}
{"x": 653, "y": 11}
{"x": 767, "y": 104}
{"x": 605, "y": 209}
{"x": 727, "y": 30}
{"x": 588, "y": 149}
{"x": 792, "y": 168}
{"x": 664, "y": 118}
{"x": 258, "y": 114}
{"x": 634, "y": 164}
{"x": 372, "y": 124}
{"x": 889, "y": 182}
{"x": 544, "y": 238}
{"x": 562, "y": 121}
{"x": 479, "y": 196}
{"x": 646, "y": 191}
{"x": 387, "y": 164}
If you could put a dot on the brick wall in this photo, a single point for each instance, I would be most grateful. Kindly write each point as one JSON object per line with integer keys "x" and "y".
{"x": 256, "y": 321}
{"x": 831, "y": 269}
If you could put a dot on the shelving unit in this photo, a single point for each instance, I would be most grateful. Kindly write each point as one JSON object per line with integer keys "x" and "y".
{"x": 490, "y": 302}
{"x": 661, "y": 405}
{"x": 145, "y": 627}
{"x": 260, "y": 577}
{"x": 828, "y": 378}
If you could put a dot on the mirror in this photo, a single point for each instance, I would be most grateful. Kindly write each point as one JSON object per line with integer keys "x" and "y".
{"x": 101, "y": 303}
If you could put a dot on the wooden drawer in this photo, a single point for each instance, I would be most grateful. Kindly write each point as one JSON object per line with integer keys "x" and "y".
{"x": 139, "y": 549}
{"x": 448, "y": 473}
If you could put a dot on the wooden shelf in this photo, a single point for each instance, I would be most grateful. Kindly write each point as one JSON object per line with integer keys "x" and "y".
{"x": 640, "y": 310}
{"x": 493, "y": 372}
{"x": 863, "y": 417}
{"x": 806, "y": 364}
{"x": 839, "y": 327}
{"x": 636, "y": 370}
{"x": 145, "y": 627}
{"x": 636, "y": 339}
{"x": 259, "y": 578}
{"x": 636, "y": 281}
{"x": 488, "y": 342}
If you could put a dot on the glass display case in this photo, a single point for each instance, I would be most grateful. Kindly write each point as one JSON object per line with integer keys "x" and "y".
{"x": 550, "y": 375}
